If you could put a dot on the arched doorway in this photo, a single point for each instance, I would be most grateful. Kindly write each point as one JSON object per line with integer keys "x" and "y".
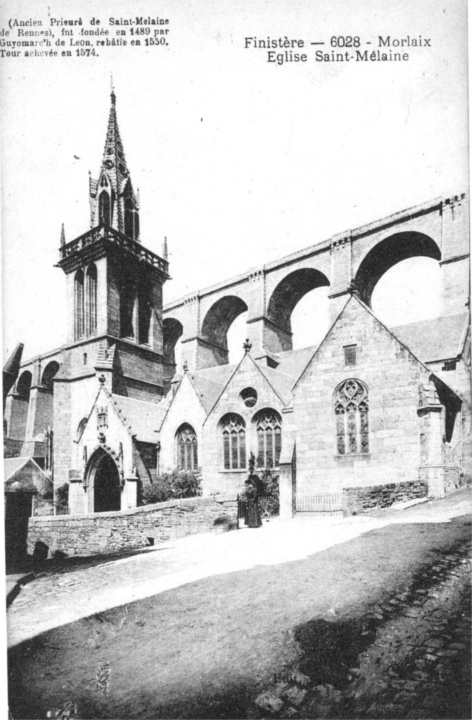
{"x": 104, "y": 483}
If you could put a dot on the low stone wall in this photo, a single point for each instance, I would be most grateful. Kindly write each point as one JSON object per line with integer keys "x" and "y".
{"x": 363, "y": 499}
{"x": 112, "y": 531}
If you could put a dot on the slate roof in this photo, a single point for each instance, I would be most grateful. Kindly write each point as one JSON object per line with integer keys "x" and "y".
{"x": 293, "y": 362}
{"x": 142, "y": 417}
{"x": 437, "y": 339}
{"x": 207, "y": 390}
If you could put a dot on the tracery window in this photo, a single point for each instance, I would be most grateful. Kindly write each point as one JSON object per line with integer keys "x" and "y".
{"x": 269, "y": 438}
{"x": 234, "y": 442}
{"x": 79, "y": 328}
{"x": 351, "y": 407}
{"x": 187, "y": 448}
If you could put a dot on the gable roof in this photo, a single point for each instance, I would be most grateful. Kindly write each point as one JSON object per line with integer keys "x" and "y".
{"x": 13, "y": 465}
{"x": 207, "y": 390}
{"x": 292, "y": 362}
{"x": 355, "y": 299}
{"x": 436, "y": 339}
{"x": 142, "y": 418}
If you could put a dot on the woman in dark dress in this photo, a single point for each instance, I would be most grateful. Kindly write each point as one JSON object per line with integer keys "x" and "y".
{"x": 253, "y": 514}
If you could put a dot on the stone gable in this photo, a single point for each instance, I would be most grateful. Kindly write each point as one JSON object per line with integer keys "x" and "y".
{"x": 392, "y": 376}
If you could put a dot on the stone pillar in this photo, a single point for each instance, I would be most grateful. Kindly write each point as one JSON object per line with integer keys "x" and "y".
{"x": 455, "y": 253}
{"x": 432, "y": 442}
{"x": 129, "y": 494}
{"x": 341, "y": 274}
{"x": 77, "y": 494}
{"x": 288, "y": 467}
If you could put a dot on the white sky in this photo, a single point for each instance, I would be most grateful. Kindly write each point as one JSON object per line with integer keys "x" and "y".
{"x": 238, "y": 161}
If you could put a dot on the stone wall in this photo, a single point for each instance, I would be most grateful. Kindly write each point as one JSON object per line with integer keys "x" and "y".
{"x": 109, "y": 532}
{"x": 361, "y": 500}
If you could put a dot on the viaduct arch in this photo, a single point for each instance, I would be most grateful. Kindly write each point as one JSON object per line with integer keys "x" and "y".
{"x": 357, "y": 258}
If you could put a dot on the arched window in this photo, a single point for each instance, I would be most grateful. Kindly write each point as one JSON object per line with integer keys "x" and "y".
{"x": 127, "y": 299}
{"x": 187, "y": 448}
{"x": 104, "y": 208}
{"x": 145, "y": 312}
{"x": 79, "y": 328}
{"x": 351, "y": 406}
{"x": 91, "y": 299}
{"x": 129, "y": 219}
{"x": 269, "y": 438}
{"x": 234, "y": 442}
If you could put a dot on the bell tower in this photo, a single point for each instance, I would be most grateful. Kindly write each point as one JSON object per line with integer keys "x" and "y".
{"x": 114, "y": 282}
{"x": 114, "y": 303}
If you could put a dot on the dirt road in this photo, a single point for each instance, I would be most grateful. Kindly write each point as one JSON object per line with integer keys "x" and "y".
{"x": 377, "y": 626}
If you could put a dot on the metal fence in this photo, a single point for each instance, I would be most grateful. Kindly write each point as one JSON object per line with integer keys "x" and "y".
{"x": 325, "y": 502}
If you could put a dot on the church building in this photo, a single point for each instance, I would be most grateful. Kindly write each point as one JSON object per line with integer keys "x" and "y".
{"x": 371, "y": 415}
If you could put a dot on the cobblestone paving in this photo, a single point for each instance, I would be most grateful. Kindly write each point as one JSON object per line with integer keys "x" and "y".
{"x": 413, "y": 656}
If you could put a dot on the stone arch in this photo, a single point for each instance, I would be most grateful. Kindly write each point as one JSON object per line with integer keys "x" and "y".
{"x": 48, "y": 375}
{"x": 387, "y": 253}
{"x": 173, "y": 330}
{"x": 290, "y": 291}
{"x": 219, "y": 319}
{"x": 23, "y": 385}
{"x": 102, "y": 478}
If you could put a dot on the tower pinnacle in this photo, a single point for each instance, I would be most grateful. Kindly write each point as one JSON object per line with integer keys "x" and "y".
{"x": 112, "y": 199}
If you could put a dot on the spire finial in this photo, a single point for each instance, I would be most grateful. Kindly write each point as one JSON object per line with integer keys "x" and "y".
{"x": 247, "y": 346}
{"x": 185, "y": 367}
{"x": 165, "y": 251}
{"x": 63, "y": 236}
{"x": 112, "y": 87}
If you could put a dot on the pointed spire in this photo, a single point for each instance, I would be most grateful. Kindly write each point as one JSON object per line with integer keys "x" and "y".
{"x": 113, "y": 200}
{"x": 165, "y": 251}
{"x": 63, "y": 236}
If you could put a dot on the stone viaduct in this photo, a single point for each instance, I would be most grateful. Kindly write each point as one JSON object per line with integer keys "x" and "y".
{"x": 437, "y": 229}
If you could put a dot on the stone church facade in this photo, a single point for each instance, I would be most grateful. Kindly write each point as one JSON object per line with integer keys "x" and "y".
{"x": 371, "y": 415}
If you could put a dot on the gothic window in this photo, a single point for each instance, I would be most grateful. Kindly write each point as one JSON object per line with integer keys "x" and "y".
{"x": 129, "y": 218}
{"x": 127, "y": 300}
{"x": 351, "y": 407}
{"x": 234, "y": 442}
{"x": 91, "y": 299}
{"x": 187, "y": 448}
{"x": 269, "y": 438}
{"x": 104, "y": 208}
{"x": 79, "y": 328}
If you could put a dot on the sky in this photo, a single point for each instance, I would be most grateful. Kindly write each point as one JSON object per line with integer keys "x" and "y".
{"x": 238, "y": 161}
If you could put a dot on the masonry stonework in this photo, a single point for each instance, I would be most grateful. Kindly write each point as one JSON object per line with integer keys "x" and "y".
{"x": 111, "y": 532}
